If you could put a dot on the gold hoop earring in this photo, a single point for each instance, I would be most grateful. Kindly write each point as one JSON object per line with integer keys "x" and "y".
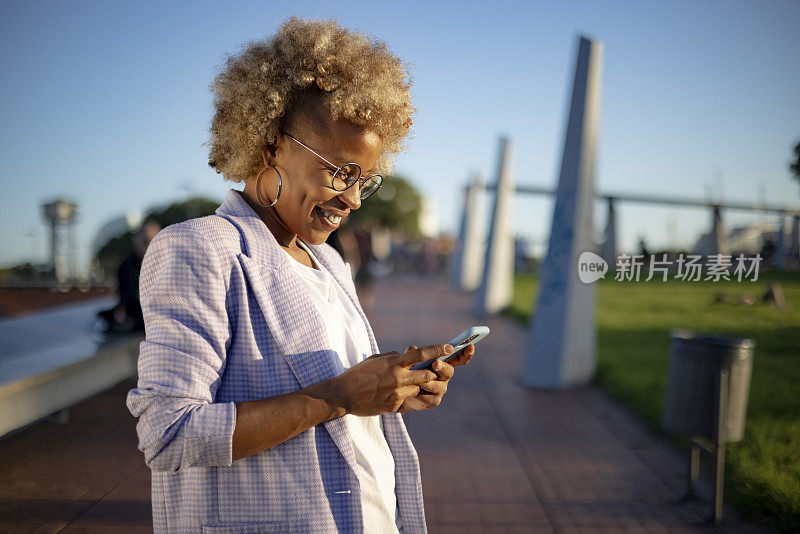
{"x": 258, "y": 188}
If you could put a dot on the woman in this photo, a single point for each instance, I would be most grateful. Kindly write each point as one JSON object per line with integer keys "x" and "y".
{"x": 260, "y": 408}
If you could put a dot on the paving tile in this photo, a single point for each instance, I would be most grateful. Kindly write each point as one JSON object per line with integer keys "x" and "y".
{"x": 56, "y": 473}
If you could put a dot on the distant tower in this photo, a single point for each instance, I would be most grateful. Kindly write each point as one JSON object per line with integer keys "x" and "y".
{"x": 61, "y": 215}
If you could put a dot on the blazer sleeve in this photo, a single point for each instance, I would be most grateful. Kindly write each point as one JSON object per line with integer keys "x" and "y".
{"x": 182, "y": 359}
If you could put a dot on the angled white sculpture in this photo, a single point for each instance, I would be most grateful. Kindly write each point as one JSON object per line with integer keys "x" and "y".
{"x": 563, "y": 335}
{"x": 470, "y": 252}
{"x": 497, "y": 286}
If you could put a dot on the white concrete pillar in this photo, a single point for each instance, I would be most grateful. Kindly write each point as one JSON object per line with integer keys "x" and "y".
{"x": 470, "y": 249}
{"x": 562, "y": 344}
{"x": 497, "y": 285}
{"x": 610, "y": 243}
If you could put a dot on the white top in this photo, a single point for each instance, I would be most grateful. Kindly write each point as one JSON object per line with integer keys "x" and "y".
{"x": 347, "y": 336}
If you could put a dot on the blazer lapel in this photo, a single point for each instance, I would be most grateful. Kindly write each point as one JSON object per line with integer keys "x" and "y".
{"x": 288, "y": 310}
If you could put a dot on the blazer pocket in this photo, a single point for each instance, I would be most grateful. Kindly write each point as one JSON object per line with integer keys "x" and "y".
{"x": 249, "y": 528}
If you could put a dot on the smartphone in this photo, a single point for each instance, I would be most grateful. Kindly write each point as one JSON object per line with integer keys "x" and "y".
{"x": 461, "y": 341}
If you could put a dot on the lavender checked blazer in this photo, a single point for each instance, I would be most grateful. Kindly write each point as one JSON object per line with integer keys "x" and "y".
{"x": 227, "y": 321}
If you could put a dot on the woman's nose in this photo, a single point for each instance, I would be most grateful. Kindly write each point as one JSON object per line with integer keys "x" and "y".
{"x": 352, "y": 196}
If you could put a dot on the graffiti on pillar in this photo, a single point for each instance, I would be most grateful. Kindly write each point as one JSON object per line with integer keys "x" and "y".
{"x": 553, "y": 285}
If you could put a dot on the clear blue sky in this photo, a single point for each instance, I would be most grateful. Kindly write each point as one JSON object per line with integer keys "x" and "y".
{"x": 108, "y": 102}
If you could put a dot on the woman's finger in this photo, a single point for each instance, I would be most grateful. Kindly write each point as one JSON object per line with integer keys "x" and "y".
{"x": 443, "y": 370}
{"x": 464, "y": 356}
{"x": 408, "y": 391}
{"x": 429, "y": 400}
{"x": 437, "y": 387}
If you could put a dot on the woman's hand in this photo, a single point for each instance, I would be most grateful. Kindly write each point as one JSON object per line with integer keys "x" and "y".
{"x": 435, "y": 389}
{"x": 463, "y": 356}
{"x": 383, "y": 382}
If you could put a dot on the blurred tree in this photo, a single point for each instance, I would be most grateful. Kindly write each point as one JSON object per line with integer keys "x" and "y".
{"x": 795, "y": 165}
{"x": 396, "y": 206}
{"x": 181, "y": 211}
{"x": 110, "y": 255}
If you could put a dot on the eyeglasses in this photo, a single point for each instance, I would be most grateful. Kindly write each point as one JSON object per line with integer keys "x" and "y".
{"x": 346, "y": 176}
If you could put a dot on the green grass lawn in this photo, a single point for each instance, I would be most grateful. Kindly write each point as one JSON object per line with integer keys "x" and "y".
{"x": 634, "y": 321}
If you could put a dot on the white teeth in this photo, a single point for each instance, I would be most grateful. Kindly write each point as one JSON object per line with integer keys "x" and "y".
{"x": 335, "y": 219}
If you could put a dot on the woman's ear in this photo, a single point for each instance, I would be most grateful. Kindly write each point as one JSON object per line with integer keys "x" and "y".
{"x": 270, "y": 151}
{"x": 268, "y": 154}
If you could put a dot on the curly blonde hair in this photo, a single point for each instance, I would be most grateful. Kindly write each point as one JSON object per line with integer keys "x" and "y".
{"x": 259, "y": 89}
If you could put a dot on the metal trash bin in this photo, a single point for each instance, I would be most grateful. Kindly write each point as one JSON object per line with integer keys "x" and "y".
{"x": 694, "y": 365}
{"x": 707, "y": 390}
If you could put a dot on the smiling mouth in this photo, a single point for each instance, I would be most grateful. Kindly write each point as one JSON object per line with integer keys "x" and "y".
{"x": 333, "y": 219}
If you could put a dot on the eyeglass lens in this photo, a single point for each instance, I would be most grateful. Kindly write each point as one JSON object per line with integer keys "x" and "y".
{"x": 345, "y": 176}
{"x": 370, "y": 186}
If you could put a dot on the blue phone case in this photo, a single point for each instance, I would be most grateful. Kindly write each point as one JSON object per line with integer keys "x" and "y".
{"x": 464, "y": 339}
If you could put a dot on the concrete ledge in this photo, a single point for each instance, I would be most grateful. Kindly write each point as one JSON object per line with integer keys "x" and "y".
{"x": 31, "y": 398}
{"x": 55, "y": 358}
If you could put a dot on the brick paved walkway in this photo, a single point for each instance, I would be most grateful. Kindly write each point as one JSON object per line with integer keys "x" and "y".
{"x": 498, "y": 457}
{"x": 495, "y": 456}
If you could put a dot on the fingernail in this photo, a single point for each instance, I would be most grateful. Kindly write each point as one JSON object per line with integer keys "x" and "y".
{"x": 437, "y": 365}
{"x": 448, "y": 348}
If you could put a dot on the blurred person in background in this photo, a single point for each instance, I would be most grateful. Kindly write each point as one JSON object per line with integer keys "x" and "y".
{"x": 264, "y": 403}
{"x": 365, "y": 264}
{"x": 126, "y": 315}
